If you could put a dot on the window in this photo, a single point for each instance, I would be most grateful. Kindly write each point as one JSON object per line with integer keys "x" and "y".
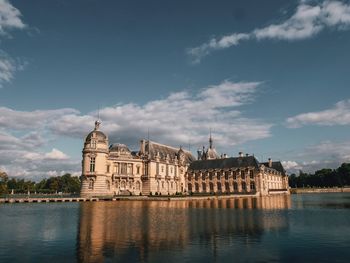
{"x": 210, "y": 176}
{"x": 204, "y": 187}
{"x": 107, "y": 168}
{"x": 108, "y": 184}
{"x": 219, "y": 186}
{"x": 251, "y": 174}
{"x": 252, "y": 186}
{"x": 93, "y": 144}
{"x": 203, "y": 176}
{"x": 123, "y": 168}
{"x": 138, "y": 185}
{"x": 162, "y": 168}
{"x": 197, "y": 187}
{"x": 244, "y": 186}
{"x": 196, "y": 177}
{"x": 92, "y": 164}
{"x": 172, "y": 185}
{"x": 227, "y": 187}
{"x": 190, "y": 187}
{"x": 218, "y": 174}
{"x": 227, "y": 173}
{"x": 234, "y": 177}
{"x": 211, "y": 186}
{"x": 138, "y": 169}
{"x": 235, "y": 186}
{"x": 242, "y": 175}
{"x": 171, "y": 171}
{"x": 91, "y": 184}
{"x": 163, "y": 184}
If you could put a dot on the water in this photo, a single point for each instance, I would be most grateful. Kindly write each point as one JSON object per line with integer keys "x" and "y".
{"x": 297, "y": 228}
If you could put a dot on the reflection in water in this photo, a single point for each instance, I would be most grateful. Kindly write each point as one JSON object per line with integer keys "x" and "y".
{"x": 135, "y": 231}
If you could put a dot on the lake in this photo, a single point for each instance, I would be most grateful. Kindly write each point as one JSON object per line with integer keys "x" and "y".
{"x": 296, "y": 228}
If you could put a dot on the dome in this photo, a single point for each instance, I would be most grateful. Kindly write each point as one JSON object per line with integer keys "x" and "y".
{"x": 118, "y": 147}
{"x": 212, "y": 154}
{"x": 97, "y": 135}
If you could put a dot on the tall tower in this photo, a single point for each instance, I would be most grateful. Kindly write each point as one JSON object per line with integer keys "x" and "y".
{"x": 94, "y": 181}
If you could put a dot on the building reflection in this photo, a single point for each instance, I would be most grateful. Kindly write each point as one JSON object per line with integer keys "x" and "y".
{"x": 135, "y": 231}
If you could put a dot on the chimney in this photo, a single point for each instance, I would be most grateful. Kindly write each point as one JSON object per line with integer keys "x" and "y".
{"x": 240, "y": 154}
{"x": 270, "y": 162}
{"x": 142, "y": 146}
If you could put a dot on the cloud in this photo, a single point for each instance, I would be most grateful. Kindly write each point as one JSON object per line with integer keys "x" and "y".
{"x": 10, "y": 18}
{"x": 307, "y": 21}
{"x": 326, "y": 154}
{"x": 337, "y": 115}
{"x": 179, "y": 119}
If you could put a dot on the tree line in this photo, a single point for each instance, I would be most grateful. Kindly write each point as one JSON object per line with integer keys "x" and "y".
{"x": 322, "y": 178}
{"x": 65, "y": 184}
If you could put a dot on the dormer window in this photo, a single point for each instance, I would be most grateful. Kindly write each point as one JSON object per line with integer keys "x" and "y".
{"x": 93, "y": 144}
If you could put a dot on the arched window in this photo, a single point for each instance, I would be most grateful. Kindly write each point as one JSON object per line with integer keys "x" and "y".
{"x": 203, "y": 176}
{"x": 91, "y": 184}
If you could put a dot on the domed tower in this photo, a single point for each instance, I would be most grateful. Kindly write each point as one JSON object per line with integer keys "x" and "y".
{"x": 211, "y": 152}
{"x": 94, "y": 180}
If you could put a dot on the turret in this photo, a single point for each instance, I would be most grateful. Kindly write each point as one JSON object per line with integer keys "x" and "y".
{"x": 95, "y": 154}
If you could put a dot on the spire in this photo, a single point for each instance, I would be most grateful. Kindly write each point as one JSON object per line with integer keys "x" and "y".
{"x": 210, "y": 141}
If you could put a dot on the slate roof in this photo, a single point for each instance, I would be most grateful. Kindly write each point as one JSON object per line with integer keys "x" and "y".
{"x": 225, "y": 163}
{"x": 277, "y": 166}
{"x": 153, "y": 148}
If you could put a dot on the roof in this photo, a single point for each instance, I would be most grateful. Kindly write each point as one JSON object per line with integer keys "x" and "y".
{"x": 98, "y": 134}
{"x": 277, "y": 166}
{"x": 153, "y": 148}
{"x": 225, "y": 163}
{"x": 117, "y": 147}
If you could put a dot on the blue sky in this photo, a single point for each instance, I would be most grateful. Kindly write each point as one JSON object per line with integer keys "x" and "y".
{"x": 270, "y": 78}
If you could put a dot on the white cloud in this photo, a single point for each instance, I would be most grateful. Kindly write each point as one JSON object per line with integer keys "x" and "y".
{"x": 10, "y": 18}
{"x": 325, "y": 154}
{"x": 307, "y": 21}
{"x": 178, "y": 119}
{"x": 337, "y": 115}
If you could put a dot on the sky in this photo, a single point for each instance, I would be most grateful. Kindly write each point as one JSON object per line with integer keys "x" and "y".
{"x": 269, "y": 78}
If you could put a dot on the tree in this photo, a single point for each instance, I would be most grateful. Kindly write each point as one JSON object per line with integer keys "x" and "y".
{"x": 3, "y": 182}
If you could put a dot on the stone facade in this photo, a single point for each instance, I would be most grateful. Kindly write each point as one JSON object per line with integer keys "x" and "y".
{"x": 155, "y": 169}
{"x": 158, "y": 169}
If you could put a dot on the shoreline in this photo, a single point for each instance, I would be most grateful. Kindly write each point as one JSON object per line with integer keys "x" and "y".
{"x": 127, "y": 198}
{"x": 319, "y": 190}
